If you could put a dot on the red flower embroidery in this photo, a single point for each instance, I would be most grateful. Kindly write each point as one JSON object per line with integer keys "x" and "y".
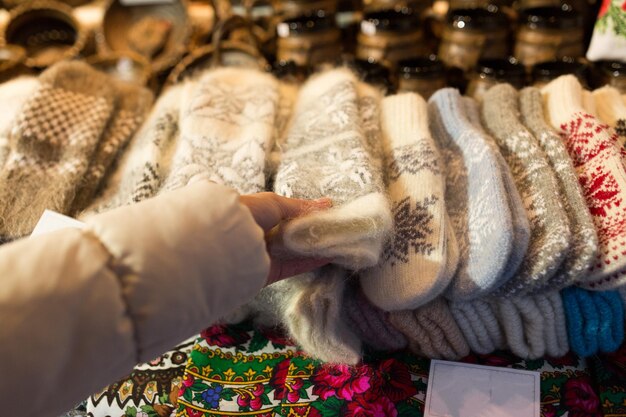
{"x": 567, "y": 360}
{"x": 224, "y": 336}
{"x": 393, "y": 380}
{"x": 370, "y": 406}
{"x": 293, "y": 389}
{"x": 188, "y": 380}
{"x": 548, "y": 410}
{"x": 193, "y": 413}
{"x": 580, "y": 399}
{"x": 303, "y": 410}
{"x": 339, "y": 381}
{"x": 279, "y": 376}
{"x": 604, "y": 8}
{"x": 251, "y": 397}
{"x": 277, "y": 337}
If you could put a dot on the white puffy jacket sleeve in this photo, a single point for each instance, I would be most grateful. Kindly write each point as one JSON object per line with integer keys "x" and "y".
{"x": 79, "y": 308}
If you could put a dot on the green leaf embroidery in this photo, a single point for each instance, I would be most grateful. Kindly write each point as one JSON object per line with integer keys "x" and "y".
{"x": 330, "y": 407}
{"x": 198, "y": 396}
{"x": 187, "y": 395}
{"x": 303, "y": 394}
{"x": 265, "y": 400}
{"x": 257, "y": 343}
{"x": 533, "y": 365}
{"x": 164, "y": 399}
{"x": 406, "y": 410}
{"x": 131, "y": 412}
{"x": 148, "y": 409}
{"x": 227, "y": 394}
{"x": 199, "y": 386}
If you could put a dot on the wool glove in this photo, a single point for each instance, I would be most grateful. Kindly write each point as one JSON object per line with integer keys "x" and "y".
{"x": 147, "y": 162}
{"x": 536, "y": 182}
{"x": 412, "y": 269}
{"x": 52, "y": 141}
{"x": 601, "y": 173}
{"x": 133, "y": 103}
{"x": 584, "y": 247}
{"x": 476, "y": 198}
{"x": 432, "y": 331}
{"x": 226, "y": 129}
{"x": 327, "y": 153}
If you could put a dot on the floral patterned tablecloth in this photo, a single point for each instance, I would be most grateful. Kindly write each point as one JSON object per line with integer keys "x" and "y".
{"x": 237, "y": 370}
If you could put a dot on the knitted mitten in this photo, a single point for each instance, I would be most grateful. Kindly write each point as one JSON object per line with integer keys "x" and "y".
{"x": 146, "y": 163}
{"x": 523, "y": 326}
{"x": 412, "y": 269}
{"x": 327, "y": 153}
{"x": 589, "y": 103}
{"x": 432, "y": 331}
{"x": 133, "y": 102}
{"x": 53, "y": 139}
{"x": 476, "y": 198}
{"x": 536, "y": 182}
{"x": 370, "y": 323}
{"x": 584, "y": 247}
{"x": 595, "y": 320}
{"x": 551, "y": 308}
{"x": 612, "y": 111}
{"x": 226, "y": 129}
{"x": 309, "y": 308}
{"x": 479, "y": 324}
{"x": 13, "y": 95}
{"x": 601, "y": 173}
{"x": 521, "y": 225}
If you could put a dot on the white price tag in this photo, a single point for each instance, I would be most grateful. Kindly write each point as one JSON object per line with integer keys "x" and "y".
{"x": 51, "y": 221}
{"x": 465, "y": 390}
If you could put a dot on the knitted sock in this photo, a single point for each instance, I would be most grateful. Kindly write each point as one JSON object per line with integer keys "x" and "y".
{"x": 536, "y": 182}
{"x": 523, "y": 326}
{"x": 479, "y": 324}
{"x": 309, "y": 307}
{"x": 521, "y": 225}
{"x": 612, "y": 111}
{"x": 413, "y": 267}
{"x": 431, "y": 331}
{"x": 476, "y": 198}
{"x": 133, "y": 102}
{"x": 226, "y": 129}
{"x": 146, "y": 163}
{"x": 583, "y": 321}
{"x": 584, "y": 247}
{"x": 13, "y": 95}
{"x": 550, "y": 306}
{"x": 327, "y": 153}
{"x": 622, "y": 293}
{"x": 53, "y": 138}
{"x": 370, "y": 323}
{"x": 600, "y": 172}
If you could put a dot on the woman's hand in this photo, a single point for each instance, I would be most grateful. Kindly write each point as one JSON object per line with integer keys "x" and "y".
{"x": 269, "y": 210}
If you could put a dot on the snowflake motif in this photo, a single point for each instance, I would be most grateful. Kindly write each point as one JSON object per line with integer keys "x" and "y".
{"x": 411, "y": 231}
{"x": 412, "y": 159}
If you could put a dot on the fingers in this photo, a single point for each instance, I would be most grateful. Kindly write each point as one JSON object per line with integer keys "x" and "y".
{"x": 269, "y": 209}
{"x": 281, "y": 269}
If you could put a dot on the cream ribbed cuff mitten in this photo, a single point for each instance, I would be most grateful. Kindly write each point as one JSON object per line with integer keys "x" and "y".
{"x": 13, "y": 95}
{"x": 584, "y": 247}
{"x": 370, "y": 323}
{"x": 601, "y": 173}
{"x": 147, "y": 160}
{"x": 133, "y": 103}
{"x": 52, "y": 141}
{"x": 550, "y": 234}
{"x": 226, "y": 129}
{"x": 476, "y": 198}
{"x": 326, "y": 153}
{"x": 432, "y": 331}
{"x": 412, "y": 270}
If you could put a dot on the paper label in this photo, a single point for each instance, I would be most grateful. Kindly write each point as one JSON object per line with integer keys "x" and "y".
{"x": 465, "y": 390}
{"x": 51, "y": 221}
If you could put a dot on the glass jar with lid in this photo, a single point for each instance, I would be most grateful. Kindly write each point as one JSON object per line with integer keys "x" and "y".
{"x": 423, "y": 75}
{"x": 545, "y": 72}
{"x": 548, "y": 33}
{"x": 388, "y": 36}
{"x": 292, "y": 8}
{"x": 489, "y": 72}
{"x": 308, "y": 40}
{"x": 472, "y": 34}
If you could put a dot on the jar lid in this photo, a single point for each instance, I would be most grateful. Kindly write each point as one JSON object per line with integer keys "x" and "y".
{"x": 500, "y": 68}
{"x": 285, "y": 69}
{"x": 556, "y": 68}
{"x": 614, "y": 68}
{"x": 390, "y": 20}
{"x": 477, "y": 19}
{"x": 421, "y": 67}
{"x": 307, "y": 23}
{"x": 551, "y": 17}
